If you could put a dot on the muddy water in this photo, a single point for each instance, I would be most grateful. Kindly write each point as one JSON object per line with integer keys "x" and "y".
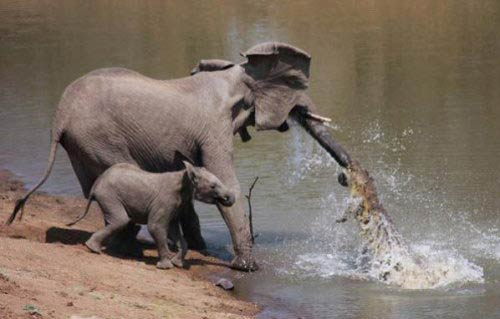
{"x": 413, "y": 88}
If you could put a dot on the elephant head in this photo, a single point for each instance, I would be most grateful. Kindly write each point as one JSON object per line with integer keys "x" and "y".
{"x": 277, "y": 75}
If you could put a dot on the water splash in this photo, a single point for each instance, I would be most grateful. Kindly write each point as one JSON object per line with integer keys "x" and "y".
{"x": 422, "y": 264}
{"x": 386, "y": 257}
{"x": 384, "y": 254}
{"x": 434, "y": 269}
{"x": 306, "y": 157}
{"x": 333, "y": 126}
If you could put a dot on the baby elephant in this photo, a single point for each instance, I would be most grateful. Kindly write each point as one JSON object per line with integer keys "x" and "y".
{"x": 128, "y": 194}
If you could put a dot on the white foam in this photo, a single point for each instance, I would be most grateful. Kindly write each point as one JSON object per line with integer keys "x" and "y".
{"x": 431, "y": 260}
{"x": 306, "y": 157}
{"x": 437, "y": 269}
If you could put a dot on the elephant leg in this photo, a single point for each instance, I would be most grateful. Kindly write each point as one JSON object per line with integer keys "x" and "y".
{"x": 160, "y": 235}
{"x": 176, "y": 234}
{"x": 237, "y": 222}
{"x": 191, "y": 227}
{"x": 84, "y": 178}
{"x": 219, "y": 161}
{"x": 116, "y": 219}
{"x": 94, "y": 243}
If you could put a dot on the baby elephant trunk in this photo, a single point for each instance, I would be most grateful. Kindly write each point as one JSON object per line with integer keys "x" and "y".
{"x": 227, "y": 198}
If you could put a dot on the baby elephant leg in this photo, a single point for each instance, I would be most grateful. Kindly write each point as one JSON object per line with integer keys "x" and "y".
{"x": 159, "y": 233}
{"x": 116, "y": 219}
{"x": 177, "y": 236}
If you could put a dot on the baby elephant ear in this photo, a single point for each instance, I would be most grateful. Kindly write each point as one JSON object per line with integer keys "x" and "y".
{"x": 191, "y": 172}
{"x": 211, "y": 65}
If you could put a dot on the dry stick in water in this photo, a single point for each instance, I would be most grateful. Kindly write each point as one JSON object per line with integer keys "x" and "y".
{"x": 250, "y": 207}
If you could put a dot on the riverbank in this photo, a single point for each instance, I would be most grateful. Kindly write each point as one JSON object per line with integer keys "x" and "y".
{"x": 46, "y": 272}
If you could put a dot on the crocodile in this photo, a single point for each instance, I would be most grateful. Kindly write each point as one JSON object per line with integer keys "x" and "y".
{"x": 383, "y": 250}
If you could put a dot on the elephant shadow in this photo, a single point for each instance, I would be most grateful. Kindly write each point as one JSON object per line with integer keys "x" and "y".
{"x": 190, "y": 261}
{"x": 74, "y": 237}
{"x": 66, "y": 236}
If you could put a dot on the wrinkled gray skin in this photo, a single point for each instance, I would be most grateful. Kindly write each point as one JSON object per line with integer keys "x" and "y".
{"x": 126, "y": 194}
{"x": 116, "y": 115}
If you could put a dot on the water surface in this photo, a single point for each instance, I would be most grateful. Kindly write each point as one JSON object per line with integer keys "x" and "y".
{"x": 413, "y": 88}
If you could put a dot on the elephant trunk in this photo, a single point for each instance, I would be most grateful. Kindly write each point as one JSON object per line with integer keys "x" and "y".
{"x": 319, "y": 131}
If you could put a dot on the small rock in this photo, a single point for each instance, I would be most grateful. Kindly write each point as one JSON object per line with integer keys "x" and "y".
{"x": 69, "y": 304}
{"x": 4, "y": 277}
{"x": 96, "y": 295}
{"x": 32, "y": 310}
{"x": 225, "y": 284}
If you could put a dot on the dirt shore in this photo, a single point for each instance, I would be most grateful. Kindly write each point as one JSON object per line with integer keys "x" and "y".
{"x": 46, "y": 272}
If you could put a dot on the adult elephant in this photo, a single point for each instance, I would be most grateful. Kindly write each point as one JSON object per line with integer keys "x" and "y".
{"x": 116, "y": 115}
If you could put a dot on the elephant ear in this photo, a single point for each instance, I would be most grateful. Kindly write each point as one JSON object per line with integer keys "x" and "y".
{"x": 192, "y": 173}
{"x": 280, "y": 74}
{"x": 211, "y": 65}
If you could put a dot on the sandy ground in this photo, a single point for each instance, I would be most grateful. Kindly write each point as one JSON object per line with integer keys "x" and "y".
{"x": 46, "y": 272}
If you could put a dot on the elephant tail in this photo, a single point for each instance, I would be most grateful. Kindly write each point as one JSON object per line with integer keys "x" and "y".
{"x": 20, "y": 202}
{"x": 82, "y": 216}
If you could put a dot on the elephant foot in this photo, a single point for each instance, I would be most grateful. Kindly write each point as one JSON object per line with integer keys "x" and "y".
{"x": 164, "y": 264}
{"x": 244, "y": 264}
{"x": 177, "y": 262}
{"x": 93, "y": 246}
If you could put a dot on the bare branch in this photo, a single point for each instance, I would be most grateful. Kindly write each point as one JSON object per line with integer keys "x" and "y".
{"x": 250, "y": 207}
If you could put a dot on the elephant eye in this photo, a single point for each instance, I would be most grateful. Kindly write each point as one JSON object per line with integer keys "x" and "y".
{"x": 213, "y": 186}
{"x": 295, "y": 79}
{"x": 292, "y": 81}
